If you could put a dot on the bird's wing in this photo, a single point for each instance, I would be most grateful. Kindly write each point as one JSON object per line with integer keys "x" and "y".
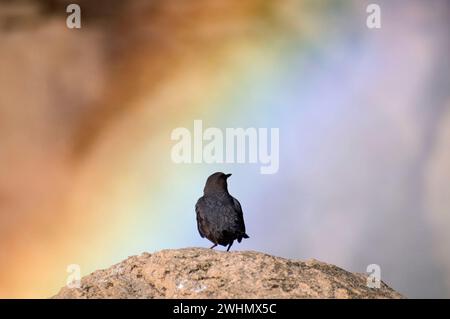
{"x": 200, "y": 220}
{"x": 240, "y": 215}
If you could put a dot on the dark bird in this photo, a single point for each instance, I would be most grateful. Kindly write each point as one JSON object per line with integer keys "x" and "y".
{"x": 219, "y": 215}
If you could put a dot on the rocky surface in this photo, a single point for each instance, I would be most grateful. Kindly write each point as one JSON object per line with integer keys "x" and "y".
{"x": 205, "y": 273}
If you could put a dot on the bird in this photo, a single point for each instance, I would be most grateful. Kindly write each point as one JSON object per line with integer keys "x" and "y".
{"x": 219, "y": 215}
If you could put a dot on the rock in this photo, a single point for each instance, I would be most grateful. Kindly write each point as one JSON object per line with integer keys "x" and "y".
{"x": 205, "y": 273}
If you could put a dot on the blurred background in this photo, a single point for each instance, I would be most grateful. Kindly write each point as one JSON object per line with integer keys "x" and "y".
{"x": 86, "y": 116}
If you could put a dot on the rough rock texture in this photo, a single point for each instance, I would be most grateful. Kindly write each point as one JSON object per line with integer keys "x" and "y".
{"x": 205, "y": 273}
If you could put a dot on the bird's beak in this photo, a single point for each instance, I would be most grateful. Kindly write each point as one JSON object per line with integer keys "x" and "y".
{"x": 227, "y": 175}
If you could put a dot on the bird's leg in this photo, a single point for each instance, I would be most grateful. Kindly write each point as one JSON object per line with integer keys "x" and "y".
{"x": 229, "y": 246}
{"x": 213, "y": 246}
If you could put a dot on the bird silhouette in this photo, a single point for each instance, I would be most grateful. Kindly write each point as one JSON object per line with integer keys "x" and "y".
{"x": 219, "y": 215}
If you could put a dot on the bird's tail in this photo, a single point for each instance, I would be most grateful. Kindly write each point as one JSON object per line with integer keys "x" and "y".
{"x": 242, "y": 236}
